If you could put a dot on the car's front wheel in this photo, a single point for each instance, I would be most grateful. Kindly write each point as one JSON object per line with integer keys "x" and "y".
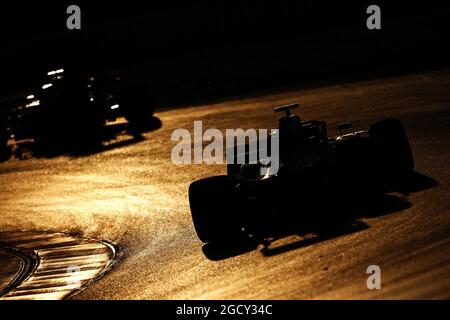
{"x": 215, "y": 209}
{"x": 392, "y": 150}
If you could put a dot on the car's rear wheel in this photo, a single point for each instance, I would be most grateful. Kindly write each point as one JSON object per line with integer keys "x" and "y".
{"x": 138, "y": 105}
{"x": 392, "y": 150}
{"x": 215, "y": 210}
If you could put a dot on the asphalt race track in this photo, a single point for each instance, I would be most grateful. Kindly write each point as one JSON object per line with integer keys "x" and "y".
{"x": 132, "y": 195}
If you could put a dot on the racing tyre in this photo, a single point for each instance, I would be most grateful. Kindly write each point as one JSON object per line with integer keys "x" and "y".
{"x": 137, "y": 104}
{"x": 392, "y": 150}
{"x": 215, "y": 212}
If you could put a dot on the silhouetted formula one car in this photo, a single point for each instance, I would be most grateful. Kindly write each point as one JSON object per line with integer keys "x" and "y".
{"x": 319, "y": 178}
{"x": 71, "y": 107}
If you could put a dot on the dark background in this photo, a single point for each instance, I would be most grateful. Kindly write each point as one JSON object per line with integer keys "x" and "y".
{"x": 209, "y": 49}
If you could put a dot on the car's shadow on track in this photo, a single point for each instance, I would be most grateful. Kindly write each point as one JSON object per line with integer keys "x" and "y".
{"x": 81, "y": 143}
{"x": 276, "y": 237}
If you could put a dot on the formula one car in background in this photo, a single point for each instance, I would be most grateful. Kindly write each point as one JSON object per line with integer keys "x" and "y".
{"x": 319, "y": 178}
{"x": 69, "y": 107}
